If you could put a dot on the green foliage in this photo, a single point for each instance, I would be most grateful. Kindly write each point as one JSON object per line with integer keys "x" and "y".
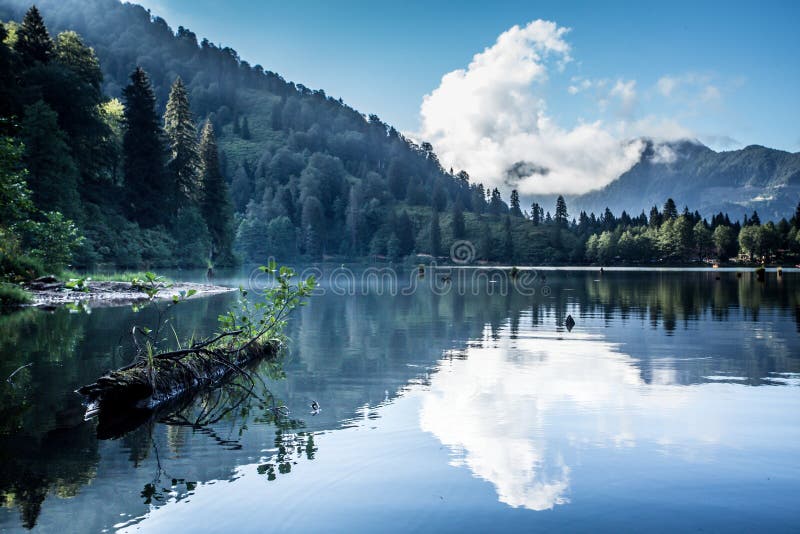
{"x": 13, "y": 295}
{"x": 150, "y": 283}
{"x": 149, "y": 194}
{"x": 216, "y": 206}
{"x": 53, "y": 240}
{"x": 18, "y": 267}
{"x": 265, "y": 319}
{"x": 33, "y": 43}
{"x": 15, "y": 203}
{"x": 193, "y": 241}
{"x": 52, "y": 175}
{"x": 80, "y": 283}
{"x": 181, "y": 132}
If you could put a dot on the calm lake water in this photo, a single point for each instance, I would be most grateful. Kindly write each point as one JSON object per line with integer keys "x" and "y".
{"x": 673, "y": 404}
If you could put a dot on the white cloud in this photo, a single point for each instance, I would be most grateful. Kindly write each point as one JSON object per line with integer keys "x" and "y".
{"x": 516, "y": 412}
{"x": 690, "y": 88}
{"x": 666, "y": 85}
{"x": 491, "y": 118}
{"x": 626, "y": 92}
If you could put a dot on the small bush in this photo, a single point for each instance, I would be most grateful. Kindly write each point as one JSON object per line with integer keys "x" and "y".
{"x": 19, "y": 268}
{"x": 13, "y": 295}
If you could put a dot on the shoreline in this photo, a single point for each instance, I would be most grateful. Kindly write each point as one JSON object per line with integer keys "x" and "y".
{"x": 110, "y": 293}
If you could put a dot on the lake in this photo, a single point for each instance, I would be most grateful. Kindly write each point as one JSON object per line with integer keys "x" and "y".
{"x": 460, "y": 405}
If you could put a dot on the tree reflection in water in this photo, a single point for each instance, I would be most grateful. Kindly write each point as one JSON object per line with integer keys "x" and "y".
{"x": 347, "y": 351}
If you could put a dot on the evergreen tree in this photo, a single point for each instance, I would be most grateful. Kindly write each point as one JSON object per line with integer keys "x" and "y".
{"x": 181, "y": 133}
{"x": 655, "y": 217}
{"x": 496, "y": 204}
{"x": 755, "y": 220}
{"x": 508, "y": 239}
{"x": 405, "y": 234}
{"x": 670, "y": 210}
{"x": 435, "y": 234}
{"x": 148, "y": 194}
{"x": 216, "y": 206}
{"x": 34, "y": 44}
{"x": 536, "y": 214}
{"x": 9, "y": 91}
{"x": 52, "y": 175}
{"x": 561, "y": 217}
{"x": 796, "y": 219}
{"x": 515, "y": 209}
{"x": 458, "y": 227}
{"x": 245, "y": 130}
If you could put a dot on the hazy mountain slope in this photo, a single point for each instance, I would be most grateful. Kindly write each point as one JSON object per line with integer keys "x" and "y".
{"x": 754, "y": 178}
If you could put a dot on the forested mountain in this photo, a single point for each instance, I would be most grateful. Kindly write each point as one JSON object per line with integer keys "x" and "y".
{"x": 736, "y": 182}
{"x": 126, "y": 142}
{"x": 308, "y": 175}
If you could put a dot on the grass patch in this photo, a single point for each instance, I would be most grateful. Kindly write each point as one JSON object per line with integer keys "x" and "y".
{"x": 13, "y": 295}
{"x": 125, "y": 276}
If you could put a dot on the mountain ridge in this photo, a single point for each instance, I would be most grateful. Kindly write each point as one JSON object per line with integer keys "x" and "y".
{"x": 740, "y": 181}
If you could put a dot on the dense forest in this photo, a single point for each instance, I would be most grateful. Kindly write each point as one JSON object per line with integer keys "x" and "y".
{"x": 133, "y": 145}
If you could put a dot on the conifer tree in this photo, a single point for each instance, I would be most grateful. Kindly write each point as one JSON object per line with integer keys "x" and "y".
{"x": 8, "y": 82}
{"x": 436, "y": 234}
{"x": 52, "y": 175}
{"x": 670, "y": 210}
{"x": 508, "y": 239}
{"x": 536, "y": 214}
{"x": 216, "y": 205}
{"x": 33, "y": 42}
{"x": 515, "y": 209}
{"x": 148, "y": 193}
{"x": 181, "y": 133}
{"x": 405, "y": 234}
{"x": 245, "y": 129}
{"x": 561, "y": 216}
{"x": 458, "y": 227}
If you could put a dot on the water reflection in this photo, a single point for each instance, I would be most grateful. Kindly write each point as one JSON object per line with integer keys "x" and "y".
{"x": 506, "y": 373}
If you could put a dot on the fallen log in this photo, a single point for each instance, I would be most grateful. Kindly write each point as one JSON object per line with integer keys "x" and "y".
{"x": 150, "y": 382}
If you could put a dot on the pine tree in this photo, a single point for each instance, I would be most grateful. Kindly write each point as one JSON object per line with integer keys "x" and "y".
{"x": 655, "y": 217}
{"x": 561, "y": 217}
{"x": 405, "y": 234}
{"x": 181, "y": 133}
{"x": 9, "y": 91}
{"x": 33, "y": 42}
{"x": 216, "y": 205}
{"x": 458, "y": 227}
{"x": 496, "y": 204}
{"x": 436, "y": 234}
{"x": 148, "y": 194}
{"x": 670, "y": 210}
{"x": 52, "y": 175}
{"x": 755, "y": 220}
{"x": 515, "y": 209}
{"x": 508, "y": 239}
{"x": 796, "y": 219}
{"x": 536, "y": 212}
{"x": 245, "y": 129}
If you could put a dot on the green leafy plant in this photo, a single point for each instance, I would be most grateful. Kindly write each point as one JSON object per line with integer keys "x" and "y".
{"x": 78, "y": 284}
{"x": 266, "y": 318}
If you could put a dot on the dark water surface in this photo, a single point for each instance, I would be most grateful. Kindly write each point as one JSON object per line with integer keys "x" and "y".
{"x": 672, "y": 404}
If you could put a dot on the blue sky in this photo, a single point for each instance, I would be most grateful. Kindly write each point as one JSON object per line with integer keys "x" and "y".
{"x": 727, "y": 73}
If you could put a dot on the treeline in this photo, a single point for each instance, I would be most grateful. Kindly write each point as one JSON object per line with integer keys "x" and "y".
{"x": 667, "y": 236}
{"x": 99, "y": 180}
{"x": 309, "y": 177}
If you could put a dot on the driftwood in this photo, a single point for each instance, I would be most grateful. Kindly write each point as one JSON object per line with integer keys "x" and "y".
{"x": 150, "y": 382}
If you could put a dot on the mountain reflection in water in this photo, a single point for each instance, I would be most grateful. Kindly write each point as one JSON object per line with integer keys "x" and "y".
{"x": 652, "y": 374}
